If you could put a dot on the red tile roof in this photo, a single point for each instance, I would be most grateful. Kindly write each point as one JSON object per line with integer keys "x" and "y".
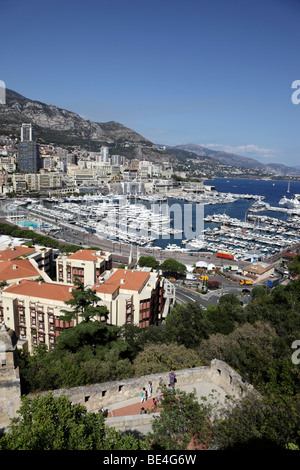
{"x": 17, "y": 269}
{"x": 43, "y": 290}
{"x": 133, "y": 280}
{"x": 15, "y": 252}
{"x": 85, "y": 255}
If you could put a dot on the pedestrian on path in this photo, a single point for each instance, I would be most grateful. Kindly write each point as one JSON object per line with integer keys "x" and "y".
{"x": 160, "y": 388}
{"x": 154, "y": 403}
{"x": 172, "y": 379}
{"x": 143, "y": 395}
{"x": 149, "y": 389}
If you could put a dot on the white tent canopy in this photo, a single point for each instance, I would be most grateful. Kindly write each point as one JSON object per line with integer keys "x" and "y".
{"x": 189, "y": 268}
{"x": 201, "y": 264}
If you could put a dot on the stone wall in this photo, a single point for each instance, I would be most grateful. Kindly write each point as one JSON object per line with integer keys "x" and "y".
{"x": 10, "y": 391}
{"x": 105, "y": 394}
{"x": 9, "y": 402}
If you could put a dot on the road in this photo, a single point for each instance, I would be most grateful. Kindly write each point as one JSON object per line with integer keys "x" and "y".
{"x": 183, "y": 295}
{"x": 73, "y": 234}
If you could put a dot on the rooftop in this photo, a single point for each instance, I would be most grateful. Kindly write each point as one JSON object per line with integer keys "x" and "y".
{"x": 15, "y": 252}
{"x": 85, "y": 255}
{"x": 43, "y": 290}
{"x": 124, "y": 279}
{"x": 17, "y": 269}
{"x": 258, "y": 268}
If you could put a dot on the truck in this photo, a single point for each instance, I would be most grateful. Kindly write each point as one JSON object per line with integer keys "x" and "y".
{"x": 223, "y": 254}
{"x": 245, "y": 282}
{"x": 191, "y": 277}
{"x": 273, "y": 282}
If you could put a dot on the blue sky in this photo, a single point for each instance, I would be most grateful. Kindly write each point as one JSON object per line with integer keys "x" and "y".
{"x": 216, "y": 73}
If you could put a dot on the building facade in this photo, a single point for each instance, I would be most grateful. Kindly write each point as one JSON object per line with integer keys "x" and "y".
{"x": 29, "y": 160}
{"x": 131, "y": 297}
{"x": 33, "y": 310}
{"x": 85, "y": 265}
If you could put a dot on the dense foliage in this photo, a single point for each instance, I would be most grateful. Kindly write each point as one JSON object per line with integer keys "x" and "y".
{"x": 48, "y": 423}
{"x": 37, "y": 238}
{"x": 172, "y": 267}
{"x": 255, "y": 339}
{"x": 148, "y": 261}
{"x": 183, "y": 422}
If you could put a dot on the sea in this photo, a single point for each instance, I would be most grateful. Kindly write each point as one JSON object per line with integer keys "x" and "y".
{"x": 272, "y": 191}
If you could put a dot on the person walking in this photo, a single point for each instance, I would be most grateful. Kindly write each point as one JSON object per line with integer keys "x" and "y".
{"x": 154, "y": 403}
{"x": 172, "y": 379}
{"x": 143, "y": 395}
{"x": 160, "y": 388}
{"x": 149, "y": 389}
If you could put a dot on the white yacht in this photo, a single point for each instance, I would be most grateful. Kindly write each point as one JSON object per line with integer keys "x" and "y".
{"x": 293, "y": 202}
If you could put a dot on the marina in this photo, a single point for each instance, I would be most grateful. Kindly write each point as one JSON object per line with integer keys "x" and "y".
{"x": 149, "y": 221}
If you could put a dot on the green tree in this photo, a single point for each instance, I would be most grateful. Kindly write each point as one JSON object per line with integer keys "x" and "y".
{"x": 228, "y": 312}
{"x": 186, "y": 324}
{"x": 259, "y": 423}
{"x": 172, "y": 267}
{"x": 248, "y": 349}
{"x": 148, "y": 261}
{"x": 48, "y": 423}
{"x": 295, "y": 266}
{"x": 83, "y": 304}
{"x": 157, "y": 358}
{"x": 183, "y": 422}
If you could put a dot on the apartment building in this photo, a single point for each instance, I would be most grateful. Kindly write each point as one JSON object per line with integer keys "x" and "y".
{"x": 85, "y": 265}
{"x": 13, "y": 271}
{"x": 29, "y": 160}
{"x": 41, "y": 258}
{"x": 8, "y": 163}
{"x": 13, "y": 252}
{"x": 14, "y": 265}
{"x": 36, "y": 181}
{"x": 81, "y": 175}
{"x": 33, "y": 310}
{"x": 131, "y": 297}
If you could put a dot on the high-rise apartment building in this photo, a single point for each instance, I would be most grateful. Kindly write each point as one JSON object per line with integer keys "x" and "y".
{"x": 118, "y": 160}
{"x": 103, "y": 157}
{"x": 26, "y": 133}
{"x": 29, "y": 160}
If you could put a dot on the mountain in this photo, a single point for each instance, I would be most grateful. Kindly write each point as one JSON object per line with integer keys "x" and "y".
{"x": 62, "y": 127}
{"x": 239, "y": 161}
{"x": 54, "y": 125}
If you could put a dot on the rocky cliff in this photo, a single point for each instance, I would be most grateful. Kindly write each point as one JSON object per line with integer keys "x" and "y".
{"x": 63, "y": 127}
